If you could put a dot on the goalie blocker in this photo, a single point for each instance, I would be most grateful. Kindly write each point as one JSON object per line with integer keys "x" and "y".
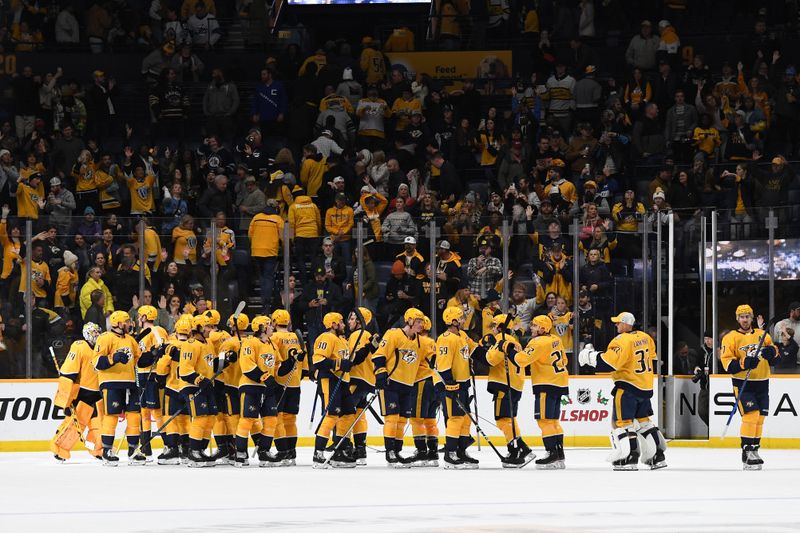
{"x": 629, "y": 359}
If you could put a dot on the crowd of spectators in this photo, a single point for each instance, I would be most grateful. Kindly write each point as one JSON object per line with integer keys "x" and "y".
{"x": 340, "y": 137}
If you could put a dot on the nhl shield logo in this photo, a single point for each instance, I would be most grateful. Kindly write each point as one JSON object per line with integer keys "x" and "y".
{"x": 584, "y": 395}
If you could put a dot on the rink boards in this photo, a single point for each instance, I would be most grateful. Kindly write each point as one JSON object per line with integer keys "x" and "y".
{"x": 28, "y": 417}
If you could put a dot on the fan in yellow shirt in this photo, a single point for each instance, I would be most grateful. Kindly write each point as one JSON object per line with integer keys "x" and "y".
{"x": 29, "y": 199}
{"x": 140, "y": 186}
{"x": 67, "y": 282}
{"x": 185, "y": 242}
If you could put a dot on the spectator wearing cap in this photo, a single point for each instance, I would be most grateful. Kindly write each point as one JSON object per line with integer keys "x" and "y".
{"x": 561, "y": 94}
{"x": 469, "y": 304}
{"x": 372, "y": 112}
{"x": 669, "y": 43}
{"x": 641, "y": 52}
{"x": 403, "y": 291}
{"x": 252, "y": 202}
{"x": 397, "y": 226}
{"x": 326, "y": 197}
{"x": 490, "y": 306}
{"x": 660, "y": 212}
{"x": 411, "y": 258}
{"x": 484, "y": 270}
{"x": 541, "y": 221}
{"x": 448, "y": 268}
{"x": 89, "y": 226}
{"x": 305, "y": 225}
{"x": 325, "y": 144}
{"x": 60, "y": 205}
{"x": 349, "y": 88}
{"x": 741, "y": 139}
{"x": 319, "y": 297}
{"x": 29, "y": 197}
{"x": 773, "y": 189}
{"x": 792, "y": 321}
{"x": 588, "y": 94}
{"x": 252, "y": 154}
{"x": 561, "y": 192}
{"x": 281, "y": 189}
{"x": 220, "y": 104}
{"x": 339, "y": 221}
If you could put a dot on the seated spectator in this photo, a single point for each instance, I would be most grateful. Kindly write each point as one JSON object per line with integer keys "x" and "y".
{"x": 788, "y": 349}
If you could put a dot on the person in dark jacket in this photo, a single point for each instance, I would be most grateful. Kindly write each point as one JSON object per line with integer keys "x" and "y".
{"x": 772, "y": 188}
{"x": 126, "y": 283}
{"x": 318, "y": 298}
{"x": 448, "y": 183}
{"x": 788, "y": 349}
{"x": 95, "y": 311}
{"x": 333, "y": 266}
{"x": 595, "y": 278}
{"x": 216, "y": 199}
{"x": 402, "y": 292}
{"x": 100, "y": 106}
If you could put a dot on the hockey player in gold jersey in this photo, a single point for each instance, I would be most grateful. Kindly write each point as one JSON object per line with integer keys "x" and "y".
{"x": 740, "y": 358}
{"x": 176, "y": 434}
{"x": 423, "y": 417}
{"x": 629, "y": 358}
{"x": 257, "y": 393}
{"x": 197, "y": 368}
{"x": 153, "y": 344}
{"x": 396, "y": 361}
{"x": 453, "y": 351}
{"x": 79, "y": 396}
{"x": 230, "y": 404}
{"x": 290, "y": 371}
{"x": 332, "y": 363}
{"x": 549, "y": 377}
{"x": 505, "y": 383}
{"x": 362, "y": 344}
{"x": 115, "y": 356}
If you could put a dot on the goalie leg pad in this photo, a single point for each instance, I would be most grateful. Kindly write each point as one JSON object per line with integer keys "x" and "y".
{"x": 620, "y": 444}
{"x": 65, "y": 438}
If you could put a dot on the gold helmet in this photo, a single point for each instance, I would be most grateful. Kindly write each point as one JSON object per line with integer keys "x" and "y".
{"x": 330, "y": 319}
{"x": 213, "y": 316}
{"x": 118, "y": 317}
{"x": 148, "y": 312}
{"x": 452, "y": 314}
{"x": 259, "y": 322}
{"x": 413, "y": 314}
{"x": 744, "y": 309}
{"x": 281, "y": 317}
{"x": 200, "y": 321}
{"x": 426, "y": 324}
{"x": 241, "y": 322}
{"x": 183, "y": 326}
{"x": 499, "y": 319}
{"x": 544, "y": 322}
{"x": 366, "y": 314}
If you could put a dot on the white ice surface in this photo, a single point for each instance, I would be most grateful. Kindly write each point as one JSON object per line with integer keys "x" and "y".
{"x": 702, "y": 490}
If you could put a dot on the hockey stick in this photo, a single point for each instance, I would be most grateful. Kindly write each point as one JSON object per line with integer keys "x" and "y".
{"x": 179, "y": 412}
{"x": 509, "y": 317}
{"x": 744, "y": 384}
{"x": 340, "y": 379}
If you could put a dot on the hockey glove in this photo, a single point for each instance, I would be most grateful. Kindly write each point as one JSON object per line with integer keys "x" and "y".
{"x": 204, "y": 384}
{"x": 770, "y": 353}
{"x": 270, "y": 385}
{"x": 381, "y": 380}
{"x": 121, "y": 357}
{"x": 751, "y": 362}
{"x": 451, "y": 391}
{"x": 345, "y": 365}
{"x": 487, "y": 341}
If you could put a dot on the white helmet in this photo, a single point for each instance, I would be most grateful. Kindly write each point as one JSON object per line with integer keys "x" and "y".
{"x": 90, "y": 332}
